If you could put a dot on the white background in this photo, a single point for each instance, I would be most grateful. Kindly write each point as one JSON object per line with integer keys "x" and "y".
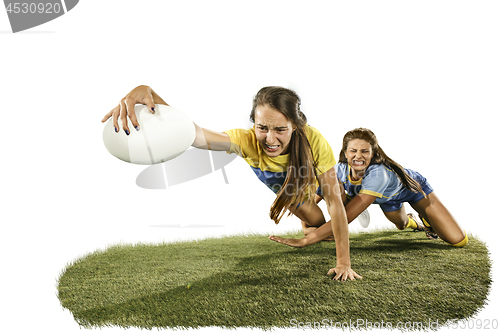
{"x": 424, "y": 76}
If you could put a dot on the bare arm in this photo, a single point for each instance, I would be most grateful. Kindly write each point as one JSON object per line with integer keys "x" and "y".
{"x": 330, "y": 188}
{"x": 353, "y": 208}
{"x": 212, "y": 140}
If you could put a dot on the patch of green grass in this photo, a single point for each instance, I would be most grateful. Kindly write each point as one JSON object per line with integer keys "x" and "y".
{"x": 251, "y": 281}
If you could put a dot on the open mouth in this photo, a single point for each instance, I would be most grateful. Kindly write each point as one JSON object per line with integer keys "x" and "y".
{"x": 271, "y": 148}
{"x": 358, "y": 163}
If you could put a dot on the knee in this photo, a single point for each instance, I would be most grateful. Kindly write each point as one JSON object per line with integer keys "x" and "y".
{"x": 400, "y": 223}
{"x": 462, "y": 243}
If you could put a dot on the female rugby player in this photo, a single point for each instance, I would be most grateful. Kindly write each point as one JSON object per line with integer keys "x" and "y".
{"x": 367, "y": 175}
{"x": 289, "y": 156}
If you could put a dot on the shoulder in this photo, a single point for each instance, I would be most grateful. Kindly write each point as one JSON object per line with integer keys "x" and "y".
{"x": 322, "y": 152}
{"x": 378, "y": 168}
{"x": 341, "y": 167}
{"x": 243, "y": 141}
{"x": 242, "y": 137}
{"x": 378, "y": 172}
{"x": 238, "y": 133}
{"x": 341, "y": 170}
{"x": 376, "y": 180}
{"x": 317, "y": 140}
{"x": 314, "y": 135}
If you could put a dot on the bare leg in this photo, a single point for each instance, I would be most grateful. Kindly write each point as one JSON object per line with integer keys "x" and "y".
{"x": 322, "y": 233}
{"x": 310, "y": 215}
{"x": 440, "y": 219}
{"x": 312, "y": 218}
{"x": 308, "y": 222}
{"x": 398, "y": 217}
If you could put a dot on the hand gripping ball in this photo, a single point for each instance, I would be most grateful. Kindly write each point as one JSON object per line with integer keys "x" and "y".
{"x": 162, "y": 136}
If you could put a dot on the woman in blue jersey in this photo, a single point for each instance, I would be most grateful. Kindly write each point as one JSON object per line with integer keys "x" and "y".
{"x": 367, "y": 175}
{"x": 289, "y": 156}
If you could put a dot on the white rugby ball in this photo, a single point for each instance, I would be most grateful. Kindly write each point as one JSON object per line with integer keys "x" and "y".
{"x": 162, "y": 136}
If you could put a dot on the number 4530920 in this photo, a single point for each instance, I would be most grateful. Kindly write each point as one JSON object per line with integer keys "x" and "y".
{"x": 32, "y": 8}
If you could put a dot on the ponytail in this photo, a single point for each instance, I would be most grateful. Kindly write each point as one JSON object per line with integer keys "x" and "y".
{"x": 300, "y": 181}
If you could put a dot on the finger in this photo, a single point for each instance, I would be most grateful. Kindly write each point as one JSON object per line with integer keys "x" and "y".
{"x": 129, "y": 102}
{"x": 108, "y": 115}
{"x": 278, "y": 239}
{"x": 116, "y": 113}
{"x": 148, "y": 100}
{"x": 337, "y": 274}
{"x": 353, "y": 275}
{"x": 123, "y": 117}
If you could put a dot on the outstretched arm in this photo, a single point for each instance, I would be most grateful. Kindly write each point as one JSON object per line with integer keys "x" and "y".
{"x": 212, "y": 140}
{"x": 353, "y": 208}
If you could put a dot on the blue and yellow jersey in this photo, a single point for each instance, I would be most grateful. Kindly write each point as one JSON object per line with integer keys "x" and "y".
{"x": 381, "y": 182}
{"x": 272, "y": 171}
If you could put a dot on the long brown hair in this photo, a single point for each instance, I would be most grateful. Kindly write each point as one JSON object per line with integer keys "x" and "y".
{"x": 300, "y": 179}
{"x": 379, "y": 157}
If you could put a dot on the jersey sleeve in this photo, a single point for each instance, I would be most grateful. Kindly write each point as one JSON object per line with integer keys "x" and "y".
{"x": 341, "y": 171}
{"x": 375, "y": 181}
{"x": 322, "y": 152}
{"x": 243, "y": 142}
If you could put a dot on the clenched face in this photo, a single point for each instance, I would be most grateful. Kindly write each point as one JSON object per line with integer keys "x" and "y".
{"x": 273, "y": 130}
{"x": 359, "y": 154}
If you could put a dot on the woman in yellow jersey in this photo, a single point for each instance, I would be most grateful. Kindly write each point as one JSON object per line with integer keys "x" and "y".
{"x": 289, "y": 156}
{"x": 367, "y": 175}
